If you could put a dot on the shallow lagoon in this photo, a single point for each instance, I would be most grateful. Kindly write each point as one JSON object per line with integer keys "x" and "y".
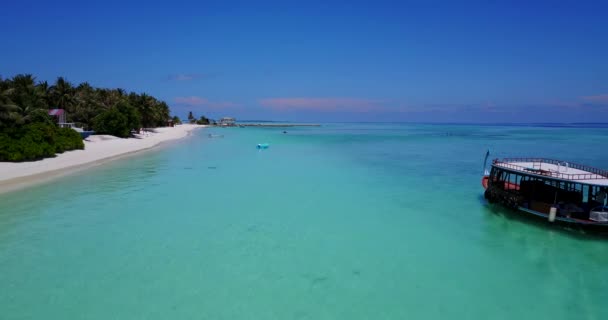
{"x": 350, "y": 221}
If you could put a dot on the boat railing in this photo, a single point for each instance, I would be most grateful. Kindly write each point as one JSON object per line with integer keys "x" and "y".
{"x": 591, "y": 173}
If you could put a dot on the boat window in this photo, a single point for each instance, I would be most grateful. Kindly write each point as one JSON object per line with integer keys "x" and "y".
{"x": 571, "y": 186}
{"x": 599, "y": 195}
{"x": 585, "y": 193}
{"x": 492, "y": 173}
{"x": 512, "y": 178}
{"x": 501, "y": 175}
{"x": 515, "y": 179}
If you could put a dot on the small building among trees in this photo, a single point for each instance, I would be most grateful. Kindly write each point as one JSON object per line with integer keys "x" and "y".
{"x": 59, "y": 114}
{"x": 227, "y": 122}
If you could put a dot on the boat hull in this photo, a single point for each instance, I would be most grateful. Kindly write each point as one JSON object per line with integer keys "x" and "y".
{"x": 565, "y": 220}
{"x": 511, "y": 205}
{"x": 484, "y": 182}
{"x": 539, "y": 218}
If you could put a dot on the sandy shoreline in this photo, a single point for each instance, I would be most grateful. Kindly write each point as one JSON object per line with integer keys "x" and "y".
{"x": 98, "y": 149}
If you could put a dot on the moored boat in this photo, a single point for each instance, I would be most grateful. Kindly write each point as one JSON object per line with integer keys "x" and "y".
{"x": 557, "y": 191}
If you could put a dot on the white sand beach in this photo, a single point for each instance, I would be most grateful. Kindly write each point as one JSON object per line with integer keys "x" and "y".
{"x": 98, "y": 149}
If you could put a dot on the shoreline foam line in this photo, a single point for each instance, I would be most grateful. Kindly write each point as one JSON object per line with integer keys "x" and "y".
{"x": 100, "y": 150}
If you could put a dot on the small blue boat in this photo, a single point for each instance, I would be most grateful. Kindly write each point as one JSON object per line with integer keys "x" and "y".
{"x": 262, "y": 146}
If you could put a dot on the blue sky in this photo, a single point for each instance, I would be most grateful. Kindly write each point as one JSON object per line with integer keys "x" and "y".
{"x": 430, "y": 61}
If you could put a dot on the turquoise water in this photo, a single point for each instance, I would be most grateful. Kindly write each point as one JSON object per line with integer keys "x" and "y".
{"x": 347, "y": 221}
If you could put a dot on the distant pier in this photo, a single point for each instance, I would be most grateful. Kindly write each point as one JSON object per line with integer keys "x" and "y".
{"x": 277, "y": 125}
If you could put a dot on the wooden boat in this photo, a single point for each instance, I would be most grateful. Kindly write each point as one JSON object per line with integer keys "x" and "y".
{"x": 557, "y": 191}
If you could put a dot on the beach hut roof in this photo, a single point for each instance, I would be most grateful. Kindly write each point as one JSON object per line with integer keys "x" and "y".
{"x": 56, "y": 112}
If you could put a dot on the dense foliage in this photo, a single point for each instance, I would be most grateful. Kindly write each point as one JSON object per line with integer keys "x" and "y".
{"x": 36, "y": 140}
{"x": 203, "y": 120}
{"x": 117, "y": 121}
{"x": 21, "y": 95}
{"x": 28, "y": 133}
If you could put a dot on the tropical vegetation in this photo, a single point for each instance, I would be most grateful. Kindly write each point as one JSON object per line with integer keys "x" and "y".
{"x": 27, "y": 132}
{"x": 203, "y": 120}
{"x": 22, "y": 94}
{"x": 37, "y": 140}
{"x": 191, "y": 118}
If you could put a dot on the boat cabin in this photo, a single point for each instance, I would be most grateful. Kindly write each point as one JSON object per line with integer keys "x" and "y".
{"x": 571, "y": 192}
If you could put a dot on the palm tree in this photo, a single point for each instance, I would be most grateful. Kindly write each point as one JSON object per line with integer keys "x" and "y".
{"x": 8, "y": 110}
{"x": 145, "y": 107}
{"x": 26, "y": 96}
{"x": 162, "y": 114}
{"x": 191, "y": 118}
{"x": 22, "y": 100}
{"x": 87, "y": 105}
{"x": 110, "y": 97}
{"x": 62, "y": 94}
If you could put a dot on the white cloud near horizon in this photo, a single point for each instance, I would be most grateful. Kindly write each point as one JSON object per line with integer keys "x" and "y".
{"x": 322, "y": 104}
{"x": 195, "y": 101}
{"x": 599, "y": 98}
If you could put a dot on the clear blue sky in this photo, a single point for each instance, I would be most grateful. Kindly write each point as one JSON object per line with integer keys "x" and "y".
{"x": 514, "y": 61}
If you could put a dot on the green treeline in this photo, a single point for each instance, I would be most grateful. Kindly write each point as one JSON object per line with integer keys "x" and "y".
{"x": 203, "y": 120}
{"x": 27, "y": 132}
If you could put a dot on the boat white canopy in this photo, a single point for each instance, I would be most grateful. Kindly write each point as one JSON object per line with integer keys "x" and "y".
{"x": 555, "y": 169}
